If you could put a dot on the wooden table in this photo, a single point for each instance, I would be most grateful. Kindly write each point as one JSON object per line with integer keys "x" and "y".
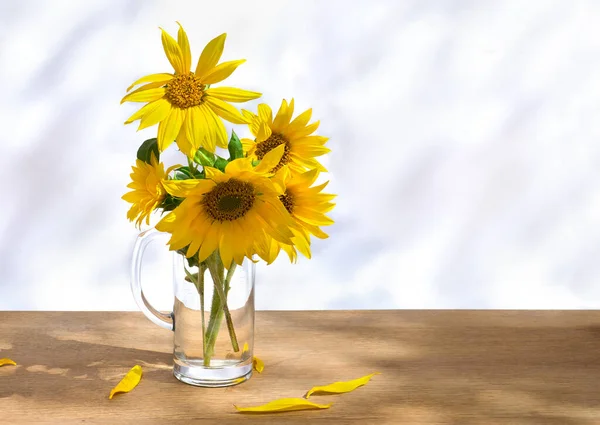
{"x": 438, "y": 367}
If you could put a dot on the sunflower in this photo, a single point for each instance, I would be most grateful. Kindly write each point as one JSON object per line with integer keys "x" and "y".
{"x": 307, "y": 206}
{"x": 148, "y": 190}
{"x": 182, "y": 104}
{"x": 300, "y": 147}
{"x": 236, "y": 212}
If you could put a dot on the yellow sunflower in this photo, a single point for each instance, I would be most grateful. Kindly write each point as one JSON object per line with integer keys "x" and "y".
{"x": 301, "y": 147}
{"x": 307, "y": 206}
{"x": 235, "y": 212}
{"x": 148, "y": 190}
{"x": 182, "y": 104}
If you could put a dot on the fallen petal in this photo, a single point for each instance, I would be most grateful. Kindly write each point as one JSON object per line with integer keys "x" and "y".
{"x": 4, "y": 362}
{"x": 284, "y": 405}
{"x": 342, "y": 387}
{"x": 258, "y": 364}
{"x": 129, "y": 382}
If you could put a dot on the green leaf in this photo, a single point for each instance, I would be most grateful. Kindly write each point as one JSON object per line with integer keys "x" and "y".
{"x": 185, "y": 173}
{"x": 204, "y": 157}
{"x": 192, "y": 261}
{"x": 221, "y": 163}
{"x": 145, "y": 151}
{"x": 169, "y": 203}
{"x": 235, "y": 147}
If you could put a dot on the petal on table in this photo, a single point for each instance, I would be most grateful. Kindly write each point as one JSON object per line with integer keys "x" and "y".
{"x": 129, "y": 381}
{"x": 341, "y": 387}
{"x": 258, "y": 364}
{"x": 284, "y": 405}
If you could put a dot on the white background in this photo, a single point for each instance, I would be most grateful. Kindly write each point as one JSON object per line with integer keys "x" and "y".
{"x": 465, "y": 138}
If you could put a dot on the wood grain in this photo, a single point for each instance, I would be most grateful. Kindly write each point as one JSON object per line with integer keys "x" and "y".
{"x": 438, "y": 367}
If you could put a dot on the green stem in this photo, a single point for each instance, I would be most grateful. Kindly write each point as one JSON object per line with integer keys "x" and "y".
{"x": 229, "y": 276}
{"x": 192, "y": 166}
{"x": 198, "y": 280}
{"x": 201, "y": 292}
{"x": 219, "y": 306}
{"x": 219, "y": 288}
{"x": 214, "y": 322}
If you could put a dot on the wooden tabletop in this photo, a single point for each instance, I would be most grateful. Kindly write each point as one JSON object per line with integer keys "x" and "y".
{"x": 437, "y": 367}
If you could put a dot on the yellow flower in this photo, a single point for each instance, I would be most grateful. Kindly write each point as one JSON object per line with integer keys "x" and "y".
{"x": 182, "y": 104}
{"x": 307, "y": 206}
{"x": 300, "y": 147}
{"x": 148, "y": 190}
{"x": 236, "y": 212}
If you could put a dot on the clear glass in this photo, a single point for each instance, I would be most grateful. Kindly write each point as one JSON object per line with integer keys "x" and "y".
{"x": 212, "y": 318}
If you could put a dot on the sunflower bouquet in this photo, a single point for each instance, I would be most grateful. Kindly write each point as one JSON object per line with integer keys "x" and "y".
{"x": 234, "y": 199}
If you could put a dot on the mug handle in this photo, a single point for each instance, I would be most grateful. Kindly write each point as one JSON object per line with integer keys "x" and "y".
{"x": 161, "y": 319}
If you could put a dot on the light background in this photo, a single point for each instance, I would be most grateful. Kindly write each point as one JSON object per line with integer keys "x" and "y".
{"x": 464, "y": 137}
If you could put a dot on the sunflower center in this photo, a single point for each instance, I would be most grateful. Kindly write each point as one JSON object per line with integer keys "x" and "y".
{"x": 276, "y": 139}
{"x": 185, "y": 91}
{"x": 229, "y": 200}
{"x": 287, "y": 199}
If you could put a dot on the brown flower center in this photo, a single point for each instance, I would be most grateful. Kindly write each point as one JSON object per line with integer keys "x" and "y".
{"x": 287, "y": 199}
{"x": 229, "y": 200}
{"x": 276, "y": 139}
{"x": 185, "y": 91}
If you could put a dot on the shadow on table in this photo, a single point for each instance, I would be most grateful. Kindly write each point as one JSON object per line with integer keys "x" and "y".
{"x": 83, "y": 367}
{"x": 459, "y": 374}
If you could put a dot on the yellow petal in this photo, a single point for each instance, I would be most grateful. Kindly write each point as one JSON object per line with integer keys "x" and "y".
{"x": 162, "y": 78}
{"x": 300, "y": 121}
{"x": 210, "y": 242}
{"x": 238, "y": 165}
{"x": 247, "y": 145}
{"x": 168, "y": 129}
{"x": 155, "y": 114}
{"x": 231, "y": 94}
{"x": 4, "y": 362}
{"x": 258, "y": 364}
{"x": 195, "y": 127}
{"x": 270, "y": 160}
{"x": 281, "y": 118}
{"x": 284, "y": 115}
{"x": 291, "y": 252}
{"x": 311, "y": 151}
{"x": 184, "y": 46}
{"x": 129, "y": 381}
{"x": 182, "y": 188}
{"x": 264, "y": 132}
{"x": 221, "y": 71}
{"x": 315, "y": 230}
{"x": 342, "y": 387}
{"x": 145, "y": 87}
{"x": 248, "y": 115}
{"x": 246, "y": 347}
{"x": 146, "y": 95}
{"x": 184, "y": 145}
{"x": 216, "y": 129}
{"x": 210, "y": 55}
{"x": 285, "y": 405}
{"x": 225, "y": 110}
{"x": 280, "y": 177}
{"x": 226, "y": 245}
{"x": 265, "y": 114}
{"x": 173, "y": 52}
{"x": 211, "y": 172}
{"x": 309, "y": 129}
{"x": 302, "y": 244}
{"x": 141, "y": 112}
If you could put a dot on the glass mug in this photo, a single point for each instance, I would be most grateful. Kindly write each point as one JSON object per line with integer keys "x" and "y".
{"x": 212, "y": 319}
